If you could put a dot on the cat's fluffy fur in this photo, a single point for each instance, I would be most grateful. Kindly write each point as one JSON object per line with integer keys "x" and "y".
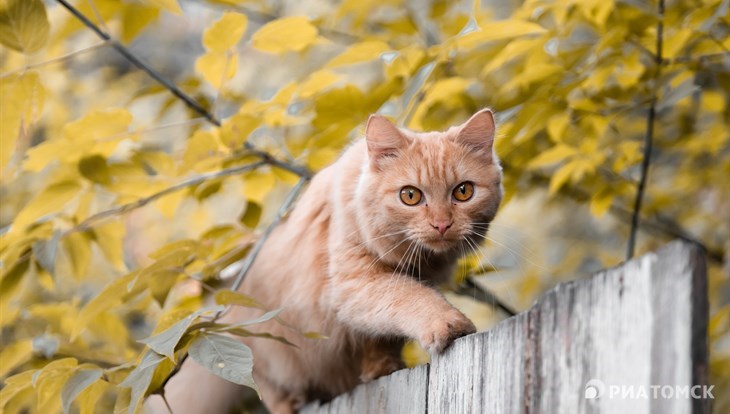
{"x": 354, "y": 263}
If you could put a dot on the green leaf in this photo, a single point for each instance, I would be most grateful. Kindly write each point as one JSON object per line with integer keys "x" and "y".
{"x": 224, "y": 357}
{"x": 24, "y": 25}
{"x": 164, "y": 343}
{"x": 229, "y": 297}
{"x": 78, "y": 382}
{"x": 263, "y": 318}
{"x": 223, "y": 34}
{"x": 140, "y": 377}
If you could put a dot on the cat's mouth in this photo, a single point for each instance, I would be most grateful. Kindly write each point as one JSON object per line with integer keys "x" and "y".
{"x": 440, "y": 244}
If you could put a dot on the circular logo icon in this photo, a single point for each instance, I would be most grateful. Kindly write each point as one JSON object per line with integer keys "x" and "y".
{"x": 593, "y": 389}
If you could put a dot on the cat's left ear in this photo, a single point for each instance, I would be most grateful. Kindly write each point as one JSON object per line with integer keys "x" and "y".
{"x": 478, "y": 131}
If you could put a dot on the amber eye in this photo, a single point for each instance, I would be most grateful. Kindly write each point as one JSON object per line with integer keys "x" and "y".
{"x": 463, "y": 191}
{"x": 410, "y": 195}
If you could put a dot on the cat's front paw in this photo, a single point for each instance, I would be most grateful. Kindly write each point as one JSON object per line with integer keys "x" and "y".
{"x": 442, "y": 331}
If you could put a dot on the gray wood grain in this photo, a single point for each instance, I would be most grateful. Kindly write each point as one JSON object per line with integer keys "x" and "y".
{"x": 623, "y": 330}
{"x": 403, "y": 391}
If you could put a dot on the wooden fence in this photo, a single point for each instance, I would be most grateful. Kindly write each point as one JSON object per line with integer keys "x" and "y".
{"x": 628, "y": 339}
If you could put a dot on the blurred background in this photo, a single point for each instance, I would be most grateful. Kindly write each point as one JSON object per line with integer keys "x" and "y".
{"x": 111, "y": 179}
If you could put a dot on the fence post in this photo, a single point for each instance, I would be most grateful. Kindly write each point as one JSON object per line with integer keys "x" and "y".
{"x": 628, "y": 339}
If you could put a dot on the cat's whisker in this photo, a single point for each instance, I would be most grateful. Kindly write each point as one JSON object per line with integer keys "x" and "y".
{"x": 485, "y": 226}
{"x": 378, "y": 258}
{"x": 515, "y": 255}
{"x": 481, "y": 254}
{"x": 374, "y": 238}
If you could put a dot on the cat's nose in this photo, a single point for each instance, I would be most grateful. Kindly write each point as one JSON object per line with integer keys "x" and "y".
{"x": 441, "y": 226}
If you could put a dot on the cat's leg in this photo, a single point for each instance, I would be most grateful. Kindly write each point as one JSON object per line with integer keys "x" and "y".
{"x": 278, "y": 400}
{"x": 381, "y": 304}
{"x": 380, "y": 357}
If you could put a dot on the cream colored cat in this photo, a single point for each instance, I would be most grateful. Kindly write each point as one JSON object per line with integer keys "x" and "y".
{"x": 358, "y": 260}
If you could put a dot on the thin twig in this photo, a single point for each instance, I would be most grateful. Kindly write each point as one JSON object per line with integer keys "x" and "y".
{"x": 648, "y": 138}
{"x": 190, "y": 102}
{"x": 293, "y": 194}
{"x": 132, "y": 58}
{"x": 472, "y": 289}
{"x": 86, "y": 224}
{"x": 283, "y": 210}
{"x": 54, "y": 60}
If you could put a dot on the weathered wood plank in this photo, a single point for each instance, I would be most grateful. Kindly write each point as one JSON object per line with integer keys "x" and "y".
{"x": 401, "y": 392}
{"x": 481, "y": 373}
{"x": 627, "y": 329}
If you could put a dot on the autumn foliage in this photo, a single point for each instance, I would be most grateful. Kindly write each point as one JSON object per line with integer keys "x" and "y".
{"x": 142, "y": 153}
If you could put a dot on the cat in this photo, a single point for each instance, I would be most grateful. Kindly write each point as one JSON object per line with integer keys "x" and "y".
{"x": 358, "y": 260}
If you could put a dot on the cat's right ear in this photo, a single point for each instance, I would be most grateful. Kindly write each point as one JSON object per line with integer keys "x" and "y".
{"x": 383, "y": 138}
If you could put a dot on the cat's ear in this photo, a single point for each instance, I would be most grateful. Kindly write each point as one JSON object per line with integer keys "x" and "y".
{"x": 383, "y": 138}
{"x": 478, "y": 131}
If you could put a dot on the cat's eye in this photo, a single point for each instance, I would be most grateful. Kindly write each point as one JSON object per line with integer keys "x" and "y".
{"x": 463, "y": 191}
{"x": 410, "y": 195}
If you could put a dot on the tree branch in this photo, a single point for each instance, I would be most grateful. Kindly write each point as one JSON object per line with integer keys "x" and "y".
{"x": 648, "y": 138}
{"x": 190, "y": 102}
{"x": 90, "y": 221}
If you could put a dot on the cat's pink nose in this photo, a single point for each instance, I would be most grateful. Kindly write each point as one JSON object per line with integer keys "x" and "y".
{"x": 441, "y": 226}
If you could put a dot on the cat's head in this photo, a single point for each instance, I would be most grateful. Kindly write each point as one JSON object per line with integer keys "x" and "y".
{"x": 438, "y": 188}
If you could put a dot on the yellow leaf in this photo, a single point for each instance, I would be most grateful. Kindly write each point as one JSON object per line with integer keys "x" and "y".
{"x": 98, "y": 124}
{"x": 24, "y": 25}
{"x": 87, "y": 400}
{"x": 288, "y": 34}
{"x": 16, "y": 384}
{"x": 499, "y": 30}
{"x": 223, "y": 35}
{"x": 109, "y": 237}
{"x": 601, "y": 202}
{"x": 675, "y": 42}
{"x": 21, "y": 102}
{"x": 322, "y": 157}
{"x": 359, "y": 52}
{"x": 236, "y": 129}
{"x": 556, "y": 126}
{"x": 560, "y": 177}
{"x": 413, "y": 354}
{"x": 106, "y": 299}
{"x": 51, "y": 200}
{"x": 135, "y": 18}
{"x": 50, "y": 381}
{"x": 202, "y": 146}
{"x": 169, "y": 5}
{"x": 407, "y": 61}
{"x": 317, "y": 82}
{"x": 14, "y": 354}
{"x": 78, "y": 248}
{"x": 257, "y": 184}
{"x": 217, "y": 67}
